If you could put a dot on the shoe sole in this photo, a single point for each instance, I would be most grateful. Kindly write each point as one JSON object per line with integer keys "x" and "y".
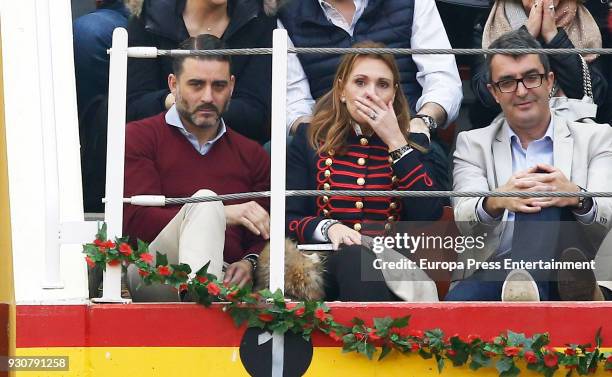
{"x": 576, "y": 285}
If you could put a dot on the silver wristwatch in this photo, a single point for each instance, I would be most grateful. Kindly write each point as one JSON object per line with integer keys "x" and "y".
{"x": 429, "y": 121}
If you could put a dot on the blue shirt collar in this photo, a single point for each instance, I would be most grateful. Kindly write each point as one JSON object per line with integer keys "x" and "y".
{"x": 515, "y": 139}
{"x": 173, "y": 119}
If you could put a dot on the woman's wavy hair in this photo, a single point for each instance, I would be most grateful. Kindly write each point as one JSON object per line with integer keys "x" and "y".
{"x": 331, "y": 123}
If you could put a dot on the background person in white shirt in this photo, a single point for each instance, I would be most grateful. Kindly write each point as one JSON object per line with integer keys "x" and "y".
{"x": 430, "y": 82}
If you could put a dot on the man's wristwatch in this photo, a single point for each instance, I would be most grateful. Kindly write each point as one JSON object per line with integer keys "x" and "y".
{"x": 584, "y": 203}
{"x": 429, "y": 121}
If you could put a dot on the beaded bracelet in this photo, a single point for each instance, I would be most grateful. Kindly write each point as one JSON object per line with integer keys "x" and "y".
{"x": 326, "y": 226}
{"x": 252, "y": 259}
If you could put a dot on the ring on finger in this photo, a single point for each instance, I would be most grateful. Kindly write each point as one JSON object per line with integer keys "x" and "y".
{"x": 373, "y": 115}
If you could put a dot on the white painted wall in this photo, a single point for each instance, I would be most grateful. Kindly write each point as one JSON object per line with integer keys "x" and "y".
{"x": 39, "y": 93}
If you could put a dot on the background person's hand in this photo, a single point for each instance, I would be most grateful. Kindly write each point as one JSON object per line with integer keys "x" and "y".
{"x": 534, "y": 22}
{"x": 239, "y": 273}
{"x": 549, "y": 26}
{"x": 341, "y": 234}
{"x": 250, "y": 215}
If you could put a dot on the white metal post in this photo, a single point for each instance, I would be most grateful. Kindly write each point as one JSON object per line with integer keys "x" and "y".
{"x": 49, "y": 136}
{"x": 277, "y": 183}
{"x": 115, "y": 151}
{"x": 279, "y": 157}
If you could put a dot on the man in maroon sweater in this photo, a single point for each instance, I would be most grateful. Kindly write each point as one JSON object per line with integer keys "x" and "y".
{"x": 186, "y": 151}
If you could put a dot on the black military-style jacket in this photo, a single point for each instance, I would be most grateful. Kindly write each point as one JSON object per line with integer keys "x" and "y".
{"x": 364, "y": 165}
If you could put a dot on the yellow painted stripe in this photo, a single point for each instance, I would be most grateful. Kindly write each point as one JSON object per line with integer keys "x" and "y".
{"x": 7, "y": 294}
{"x": 225, "y": 361}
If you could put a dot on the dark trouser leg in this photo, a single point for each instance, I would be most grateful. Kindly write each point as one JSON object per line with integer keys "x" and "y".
{"x": 343, "y": 277}
{"x": 535, "y": 238}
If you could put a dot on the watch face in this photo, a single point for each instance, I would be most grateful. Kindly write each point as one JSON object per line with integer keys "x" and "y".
{"x": 431, "y": 123}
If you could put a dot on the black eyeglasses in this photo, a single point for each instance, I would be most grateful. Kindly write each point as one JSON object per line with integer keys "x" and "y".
{"x": 530, "y": 81}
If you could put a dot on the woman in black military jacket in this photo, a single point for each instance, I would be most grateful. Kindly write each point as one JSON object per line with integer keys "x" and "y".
{"x": 358, "y": 140}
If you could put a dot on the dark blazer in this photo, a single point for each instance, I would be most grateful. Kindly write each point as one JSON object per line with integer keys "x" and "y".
{"x": 364, "y": 165}
{"x": 161, "y": 25}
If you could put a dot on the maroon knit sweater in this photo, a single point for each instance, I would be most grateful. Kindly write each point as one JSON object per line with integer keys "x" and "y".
{"x": 160, "y": 160}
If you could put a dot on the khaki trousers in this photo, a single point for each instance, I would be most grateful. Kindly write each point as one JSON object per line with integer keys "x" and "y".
{"x": 194, "y": 236}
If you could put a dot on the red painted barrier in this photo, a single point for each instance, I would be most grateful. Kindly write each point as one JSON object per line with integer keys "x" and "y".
{"x": 192, "y": 325}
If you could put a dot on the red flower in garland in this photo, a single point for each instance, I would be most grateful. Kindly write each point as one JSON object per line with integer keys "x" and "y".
{"x": 114, "y": 262}
{"x": 163, "y": 270}
{"x": 232, "y": 295}
{"x": 320, "y": 314}
{"x": 265, "y": 317}
{"x": 511, "y": 351}
{"x": 104, "y": 245}
{"x": 551, "y": 360}
{"x": 146, "y": 257}
{"x": 359, "y": 336}
{"x": 213, "y": 289}
{"x": 416, "y": 333}
{"x": 143, "y": 273}
{"x": 90, "y": 262}
{"x": 202, "y": 279}
{"x": 299, "y": 311}
{"x": 570, "y": 351}
{"x": 451, "y": 353}
{"x": 183, "y": 287}
{"x": 125, "y": 249}
{"x": 415, "y": 347}
{"x": 530, "y": 357}
{"x": 373, "y": 336}
{"x": 335, "y": 336}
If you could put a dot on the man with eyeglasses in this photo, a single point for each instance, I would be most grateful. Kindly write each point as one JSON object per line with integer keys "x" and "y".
{"x": 528, "y": 148}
